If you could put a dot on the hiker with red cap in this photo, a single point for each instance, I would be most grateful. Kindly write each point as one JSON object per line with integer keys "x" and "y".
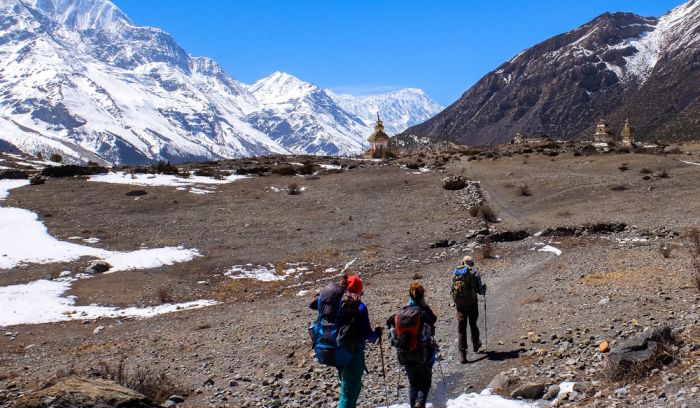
{"x": 412, "y": 334}
{"x": 340, "y": 333}
{"x": 466, "y": 284}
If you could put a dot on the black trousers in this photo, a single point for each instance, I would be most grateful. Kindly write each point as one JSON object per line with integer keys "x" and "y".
{"x": 467, "y": 314}
{"x": 420, "y": 379}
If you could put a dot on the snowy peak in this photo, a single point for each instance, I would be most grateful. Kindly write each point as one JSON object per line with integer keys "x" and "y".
{"x": 398, "y": 109}
{"x": 281, "y": 87}
{"x": 82, "y": 14}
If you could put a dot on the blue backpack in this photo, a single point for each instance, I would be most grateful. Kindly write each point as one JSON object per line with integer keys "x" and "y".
{"x": 333, "y": 331}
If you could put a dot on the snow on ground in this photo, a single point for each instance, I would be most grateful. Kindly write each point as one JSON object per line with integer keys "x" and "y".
{"x": 24, "y": 239}
{"x": 7, "y": 185}
{"x": 330, "y": 166}
{"x": 43, "y": 301}
{"x": 689, "y": 162}
{"x": 265, "y": 273}
{"x": 549, "y": 248}
{"x": 159, "y": 180}
{"x": 473, "y": 400}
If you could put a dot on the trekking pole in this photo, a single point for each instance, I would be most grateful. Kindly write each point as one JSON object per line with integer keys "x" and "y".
{"x": 486, "y": 324}
{"x": 442, "y": 373}
{"x": 381, "y": 353}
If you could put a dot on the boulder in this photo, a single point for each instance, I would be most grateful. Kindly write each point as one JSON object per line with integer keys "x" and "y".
{"x": 37, "y": 180}
{"x": 552, "y": 392}
{"x": 454, "y": 183}
{"x": 640, "y": 353}
{"x": 529, "y": 391}
{"x": 500, "y": 382}
{"x": 84, "y": 393}
{"x": 97, "y": 267}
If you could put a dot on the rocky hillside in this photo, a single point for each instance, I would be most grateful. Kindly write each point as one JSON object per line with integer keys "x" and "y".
{"x": 82, "y": 80}
{"x": 619, "y": 65}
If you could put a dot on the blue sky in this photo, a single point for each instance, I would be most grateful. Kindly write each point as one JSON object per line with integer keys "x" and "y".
{"x": 364, "y": 46}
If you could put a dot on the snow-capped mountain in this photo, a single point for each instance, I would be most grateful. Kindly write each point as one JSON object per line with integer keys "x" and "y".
{"x": 304, "y": 118}
{"x": 399, "y": 109}
{"x": 617, "y": 66}
{"x": 80, "y": 79}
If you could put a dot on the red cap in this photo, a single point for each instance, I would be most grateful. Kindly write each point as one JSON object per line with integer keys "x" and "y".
{"x": 354, "y": 284}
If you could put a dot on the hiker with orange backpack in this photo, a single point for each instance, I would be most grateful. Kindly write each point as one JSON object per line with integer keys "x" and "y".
{"x": 412, "y": 330}
{"x": 340, "y": 333}
{"x": 466, "y": 284}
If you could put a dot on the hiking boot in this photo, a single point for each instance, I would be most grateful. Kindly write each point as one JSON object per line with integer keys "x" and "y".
{"x": 477, "y": 346}
{"x": 419, "y": 404}
{"x": 464, "y": 357}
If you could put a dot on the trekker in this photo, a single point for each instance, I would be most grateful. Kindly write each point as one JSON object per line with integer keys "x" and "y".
{"x": 341, "y": 332}
{"x": 412, "y": 331}
{"x": 466, "y": 284}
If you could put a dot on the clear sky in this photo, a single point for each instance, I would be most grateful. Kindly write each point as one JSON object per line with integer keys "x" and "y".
{"x": 370, "y": 46}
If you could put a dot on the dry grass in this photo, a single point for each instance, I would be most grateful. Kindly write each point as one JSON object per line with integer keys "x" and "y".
{"x": 600, "y": 279}
{"x": 293, "y": 189}
{"x": 152, "y": 382}
{"x": 563, "y": 214}
{"x": 524, "y": 190}
{"x": 485, "y": 212}
{"x": 486, "y": 250}
{"x": 645, "y": 171}
{"x": 665, "y": 249}
{"x": 618, "y": 187}
{"x": 694, "y": 239}
{"x": 165, "y": 295}
{"x": 532, "y": 300}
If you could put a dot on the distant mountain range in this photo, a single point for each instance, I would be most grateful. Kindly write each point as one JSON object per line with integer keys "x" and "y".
{"x": 617, "y": 66}
{"x": 78, "y": 78}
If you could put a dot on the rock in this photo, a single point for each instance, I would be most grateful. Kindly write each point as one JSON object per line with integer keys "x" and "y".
{"x": 500, "y": 382}
{"x": 98, "y": 329}
{"x": 530, "y": 391}
{"x": 552, "y": 392}
{"x": 454, "y": 183}
{"x": 176, "y": 399}
{"x": 37, "y": 181}
{"x": 641, "y": 352}
{"x": 443, "y": 244}
{"x": 604, "y": 347}
{"x": 84, "y": 393}
{"x": 97, "y": 267}
{"x": 136, "y": 193}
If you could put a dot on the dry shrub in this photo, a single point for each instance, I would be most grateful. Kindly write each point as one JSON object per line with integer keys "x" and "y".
{"x": 487, "y": 250}
{"x": 665, "y": 249}
{"x": 524, "y": 190}
{"x": 487, "y": 214}
{"x": 287, "y": 170}
{"x": 532, "y": 299}
{"x": 165, "y": 295}
{"x": 293, "y": 189}
{"x": 661, "y": 173}
{"x": 417, "y": 276}
{"x": 618, "y": 187}
{"x": 473, "y": 211}
{"x": 563, "y": 214}
{"x": 694, "y": 238}
{"x": 624, "y": 167}
{"x": 154, "y": 383}
{"x": 645, "y": 171}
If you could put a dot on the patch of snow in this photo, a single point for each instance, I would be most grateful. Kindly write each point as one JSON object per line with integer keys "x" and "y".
{"x": 7, "y": 185}
{"x": 348, "y": 265}
{"x": 91, "y": 240}
{"x": 330, "y": 166}
{"x": 263, "y": 273}
{"x": 159, "y": 180}
{"x": 201, "y": 191}
{"x": 549, "y": 248}
{"x": 302, "y": 293}
{"x": 43, "y": 301}
{"x": 689, "y": 162}
{"x": 330, "y": 270}
{"x": 24, "y": 239}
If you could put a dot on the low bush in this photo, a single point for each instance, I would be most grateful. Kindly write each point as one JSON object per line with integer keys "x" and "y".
{"x": 645, "y": 171}
{"x": 293, "y": 189}
{"x": 165, "y": 295}
{"x": 286, "y": 170}
{"x": 56, "y": 158}
{"x": 13, "y": 175}
{"x": 154, "y": 383}
{"x": 487, "y": 214}
{"x": 307, "y": 169}
{"x": 486, "y": 250}
{"x": 72, "y": 171}
{"x": 524, "y": 190}
{"x": 618, "y": 187}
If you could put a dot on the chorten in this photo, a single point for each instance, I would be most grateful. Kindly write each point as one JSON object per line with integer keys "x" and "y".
{"x": 628, "y": 134}
{"x": 379, "y": 140}
{"x": 603, "y": 134}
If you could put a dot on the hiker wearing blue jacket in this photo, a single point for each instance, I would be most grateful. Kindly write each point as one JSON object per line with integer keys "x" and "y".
{"x": 360, "y": 330}
{"x": 466, "y": 284}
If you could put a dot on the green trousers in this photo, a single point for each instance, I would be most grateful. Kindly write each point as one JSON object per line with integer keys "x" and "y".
{"x": 351, "y": 383}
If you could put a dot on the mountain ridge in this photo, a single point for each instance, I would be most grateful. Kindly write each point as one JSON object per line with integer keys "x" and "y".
{"x": 616, "y": 66}
{"x": 81, "y": 77}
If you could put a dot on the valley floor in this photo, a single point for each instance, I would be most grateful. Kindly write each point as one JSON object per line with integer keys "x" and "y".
{"x": 552, "y": 297}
